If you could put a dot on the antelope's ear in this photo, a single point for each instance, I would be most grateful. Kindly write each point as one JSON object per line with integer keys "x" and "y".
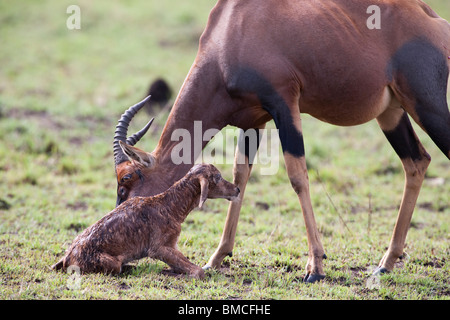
{"x": 204, "y": 189}
{"x": 136, "y": 154}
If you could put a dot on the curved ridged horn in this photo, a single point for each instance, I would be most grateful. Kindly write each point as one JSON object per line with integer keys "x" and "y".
{"x": 138, "y": 135}
{"x": 122, "y": 129}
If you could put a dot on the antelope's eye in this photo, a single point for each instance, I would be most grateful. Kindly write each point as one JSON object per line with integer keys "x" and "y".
{"x": 127, "y": 177}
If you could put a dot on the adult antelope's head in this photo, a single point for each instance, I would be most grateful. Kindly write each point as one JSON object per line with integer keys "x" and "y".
{"x": 138, "y": 172}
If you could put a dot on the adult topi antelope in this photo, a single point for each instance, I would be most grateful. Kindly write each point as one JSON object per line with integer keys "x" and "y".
{"x": 275, "y": 59}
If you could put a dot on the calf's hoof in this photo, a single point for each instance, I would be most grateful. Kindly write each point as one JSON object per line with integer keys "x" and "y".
{"x": 198, "y": 274}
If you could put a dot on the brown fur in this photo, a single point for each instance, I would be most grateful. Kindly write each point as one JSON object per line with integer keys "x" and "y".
{"x": 147, "y": 227}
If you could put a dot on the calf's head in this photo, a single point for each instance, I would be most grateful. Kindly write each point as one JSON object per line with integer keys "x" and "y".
{"x": 212, "y": 185}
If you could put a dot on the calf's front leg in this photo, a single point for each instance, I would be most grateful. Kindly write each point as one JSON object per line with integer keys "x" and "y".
{"x": 179, "y": 263}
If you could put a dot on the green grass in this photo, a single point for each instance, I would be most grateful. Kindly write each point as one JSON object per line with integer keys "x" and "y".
{"x": 61, "y": 93}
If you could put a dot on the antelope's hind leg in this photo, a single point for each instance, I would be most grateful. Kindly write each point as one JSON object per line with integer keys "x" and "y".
{"x": 415, "y": 160}
{"x": 420, "y": 73}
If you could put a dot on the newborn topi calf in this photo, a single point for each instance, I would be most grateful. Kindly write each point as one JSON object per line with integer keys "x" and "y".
{"x": 147, "y": 227}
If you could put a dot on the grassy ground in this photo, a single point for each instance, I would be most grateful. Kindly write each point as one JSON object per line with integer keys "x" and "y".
{"x": 61, "y": 93}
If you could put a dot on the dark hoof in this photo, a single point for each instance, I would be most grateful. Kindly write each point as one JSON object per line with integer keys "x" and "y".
{"x": 379, "y": 271}
{"x": 311, "y": 278}
{"x": 230, "y": 254}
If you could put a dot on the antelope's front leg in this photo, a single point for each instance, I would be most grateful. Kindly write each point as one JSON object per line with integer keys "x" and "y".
{"x": 245, "y": 153}
{"x": 288, "y": 122}
{"x": 298, "y": 175}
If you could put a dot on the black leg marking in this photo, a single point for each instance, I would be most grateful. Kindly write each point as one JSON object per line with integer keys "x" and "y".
{"x": 248, "y": 143}
{"x": 247, "y": 80}
{"x": 403, "y": 140}
{"x": 425, "y": 70}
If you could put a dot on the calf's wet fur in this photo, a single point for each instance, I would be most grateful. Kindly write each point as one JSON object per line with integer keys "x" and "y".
{"x": 147, "y": 227}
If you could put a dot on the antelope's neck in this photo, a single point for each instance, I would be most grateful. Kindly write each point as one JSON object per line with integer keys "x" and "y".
{"x": 202, "y": 104}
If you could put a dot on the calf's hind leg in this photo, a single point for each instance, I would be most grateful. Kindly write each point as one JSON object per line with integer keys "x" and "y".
{"x": 109, "y": 264}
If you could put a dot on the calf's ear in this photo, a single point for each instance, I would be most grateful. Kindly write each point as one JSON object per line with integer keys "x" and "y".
{"x": 204, "y": 189}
